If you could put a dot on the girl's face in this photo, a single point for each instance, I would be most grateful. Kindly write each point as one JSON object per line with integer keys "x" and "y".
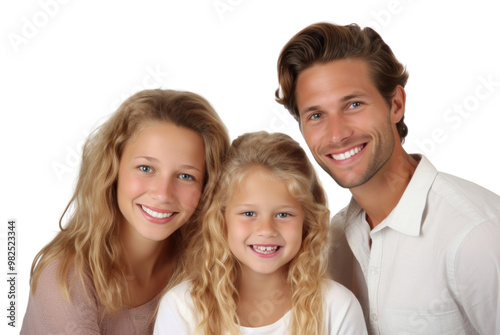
{"x": 160, "y": 180}
{"x": 264, "y": 223}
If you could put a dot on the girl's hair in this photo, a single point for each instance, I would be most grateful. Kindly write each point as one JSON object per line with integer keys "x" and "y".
{"x": 90, "y": 241}
{"x": 213, "y": 284}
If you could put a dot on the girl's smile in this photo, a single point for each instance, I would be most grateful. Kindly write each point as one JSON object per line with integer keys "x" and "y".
{"x": 264, "y": 223}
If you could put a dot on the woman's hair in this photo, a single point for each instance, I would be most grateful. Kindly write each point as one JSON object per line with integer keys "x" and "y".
{"x": 321, "y": 43}
{"x": 90, "y": 240}
{"x": 216, "y": 270}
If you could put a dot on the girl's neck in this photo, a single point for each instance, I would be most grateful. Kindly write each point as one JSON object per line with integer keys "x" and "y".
{"x": 263, "y": 298}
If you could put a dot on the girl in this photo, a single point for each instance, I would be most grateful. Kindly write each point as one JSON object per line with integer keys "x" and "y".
{"x": 141, "y": 178}
{"x": 261, "y": 252}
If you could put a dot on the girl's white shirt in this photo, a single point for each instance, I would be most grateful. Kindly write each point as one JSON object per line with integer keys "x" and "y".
{"x": 343, "y": 315}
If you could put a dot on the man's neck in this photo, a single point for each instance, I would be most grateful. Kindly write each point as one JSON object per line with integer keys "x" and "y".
{"x": 382, "y": 192}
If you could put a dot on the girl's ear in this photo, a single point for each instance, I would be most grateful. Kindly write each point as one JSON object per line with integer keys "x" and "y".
{"x": 398, "y": 103}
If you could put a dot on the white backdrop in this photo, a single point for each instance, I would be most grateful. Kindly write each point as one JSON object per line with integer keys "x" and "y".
{"x": 67, "y": 64}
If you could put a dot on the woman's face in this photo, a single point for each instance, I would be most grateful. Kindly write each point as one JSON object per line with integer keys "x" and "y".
{"x": 160, "y": 180}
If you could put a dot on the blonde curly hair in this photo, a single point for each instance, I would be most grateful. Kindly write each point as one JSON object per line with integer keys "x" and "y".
{"x": 215, "y": 270}
{"x": 90, "y": 241}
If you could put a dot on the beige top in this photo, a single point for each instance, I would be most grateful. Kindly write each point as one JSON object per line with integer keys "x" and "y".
{"x": 49, "y": 312}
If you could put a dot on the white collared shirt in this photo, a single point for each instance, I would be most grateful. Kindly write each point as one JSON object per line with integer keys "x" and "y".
{"x": 434, "y": 263}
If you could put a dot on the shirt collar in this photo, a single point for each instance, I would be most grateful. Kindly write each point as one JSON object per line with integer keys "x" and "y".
{"x": 406, "y": 217}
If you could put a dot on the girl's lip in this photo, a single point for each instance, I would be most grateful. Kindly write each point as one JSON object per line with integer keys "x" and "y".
{"x": 265, "y": 254}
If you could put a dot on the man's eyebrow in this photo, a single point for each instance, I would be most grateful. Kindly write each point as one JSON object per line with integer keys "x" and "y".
{"x": 309, "y": 109}
{"x": 353, "y": 96}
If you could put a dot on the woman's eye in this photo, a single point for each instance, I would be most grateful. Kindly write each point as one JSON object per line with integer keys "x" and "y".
{"x": 283, "y": 215}
{"x": 145, "y": 168}
{"x": 248, "y": 213}
{"x": 185, "y": 176}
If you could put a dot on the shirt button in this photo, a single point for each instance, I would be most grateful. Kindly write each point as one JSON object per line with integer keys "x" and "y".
{"x": 374, "y": 317}
{"x": 374, "y": 272}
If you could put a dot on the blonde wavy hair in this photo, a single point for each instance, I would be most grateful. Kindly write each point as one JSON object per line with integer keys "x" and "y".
{"x": 215, "y": 270}
{"x": 90, "y": 243}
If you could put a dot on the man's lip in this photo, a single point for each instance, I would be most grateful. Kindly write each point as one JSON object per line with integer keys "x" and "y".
{"x": 346, "y": 149}
{"x": 346, "y": 154}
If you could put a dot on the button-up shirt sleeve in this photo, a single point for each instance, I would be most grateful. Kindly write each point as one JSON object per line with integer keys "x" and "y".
{"x": 475, "y": 276}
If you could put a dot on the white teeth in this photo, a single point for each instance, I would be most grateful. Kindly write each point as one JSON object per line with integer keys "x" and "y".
{"x": 156, "y": 214}
{"x": 265, "y": 250}
{"x": 347, "y": 154}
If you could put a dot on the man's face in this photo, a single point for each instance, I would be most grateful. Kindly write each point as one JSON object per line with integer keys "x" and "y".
{"x": 345, "y": 120}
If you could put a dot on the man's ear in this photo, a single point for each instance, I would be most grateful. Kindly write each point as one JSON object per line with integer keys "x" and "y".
{"x": 398, "y": 103}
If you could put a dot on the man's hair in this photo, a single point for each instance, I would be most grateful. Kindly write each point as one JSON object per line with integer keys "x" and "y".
{"x": 323, "y": 42}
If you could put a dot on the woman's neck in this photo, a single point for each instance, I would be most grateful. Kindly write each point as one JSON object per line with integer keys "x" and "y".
{"x": 144, "y": 257}
{"x": 148, "y": 266}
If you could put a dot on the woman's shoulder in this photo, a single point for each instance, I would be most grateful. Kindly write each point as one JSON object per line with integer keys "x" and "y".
{"x": 49, "y": 277}
{"x": 49, "y": 310}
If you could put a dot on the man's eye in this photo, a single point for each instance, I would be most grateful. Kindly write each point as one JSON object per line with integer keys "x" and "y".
{"x": 355, "y": 104}
{"x": 145, "y": 168}
{"x": 315, "y": 116}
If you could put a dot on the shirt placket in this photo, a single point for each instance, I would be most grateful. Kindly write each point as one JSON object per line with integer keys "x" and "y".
{"x": 373, "y": 280}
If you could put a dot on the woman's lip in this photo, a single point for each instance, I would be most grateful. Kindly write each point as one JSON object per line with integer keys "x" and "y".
{"x": 158, "y": 210}
{"x": 155, "y": 220}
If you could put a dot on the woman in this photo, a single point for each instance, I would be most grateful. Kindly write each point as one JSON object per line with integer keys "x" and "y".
{"x": 142, "y": 176}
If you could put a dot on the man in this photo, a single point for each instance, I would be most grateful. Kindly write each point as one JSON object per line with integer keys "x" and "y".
{"x": 419, "y": 248}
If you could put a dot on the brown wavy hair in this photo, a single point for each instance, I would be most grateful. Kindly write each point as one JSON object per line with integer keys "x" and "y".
{"x": 90, "y": 241}
{"x": 323, "y": 42}
{"x": 215, "y": 269}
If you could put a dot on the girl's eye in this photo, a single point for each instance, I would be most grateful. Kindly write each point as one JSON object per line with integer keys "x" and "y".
{"x": 283, "y": 215}
{"x": 145, "y": 168}
{"x": 248, "y": 213}
{"x": 185, "y": 176}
